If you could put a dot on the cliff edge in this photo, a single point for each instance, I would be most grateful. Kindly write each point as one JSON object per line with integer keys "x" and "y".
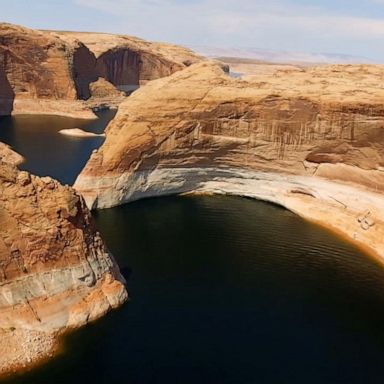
{"x": 49, "y": 72}
{"x": 308, "y": 139}
{"x": 55, "y": 270}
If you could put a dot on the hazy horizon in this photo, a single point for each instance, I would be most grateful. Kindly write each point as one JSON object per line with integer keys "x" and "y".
{"x": 352, "y": 28}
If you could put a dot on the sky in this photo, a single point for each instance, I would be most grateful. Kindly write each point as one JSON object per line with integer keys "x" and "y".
{"x": 352, "y": 27}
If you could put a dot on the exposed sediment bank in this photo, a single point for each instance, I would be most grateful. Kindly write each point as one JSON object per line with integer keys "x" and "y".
{"x": 77, "y": 132}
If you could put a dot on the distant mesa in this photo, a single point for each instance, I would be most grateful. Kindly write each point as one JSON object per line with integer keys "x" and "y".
{"x": 280, "y": 57}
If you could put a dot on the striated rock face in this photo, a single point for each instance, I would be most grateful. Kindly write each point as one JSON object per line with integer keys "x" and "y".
{"x": 55, "y": 271}
{"x": 128, "y": 62}
{"x": 311, "y": 140}
{"x": 51, "y": 72}
{"x": 39, "y": 68}
{"x": 7, "y": 94}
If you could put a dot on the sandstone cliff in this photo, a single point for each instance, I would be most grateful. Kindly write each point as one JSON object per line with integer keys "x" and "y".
{"x": 310, "y": 140}
{"x": 128, "y": 61}
{"x": 51, "y": 72}
{"x": 55, "y": 271}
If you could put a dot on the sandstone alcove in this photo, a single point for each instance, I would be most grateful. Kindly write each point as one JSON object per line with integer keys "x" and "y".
{"x": 121, "y": 67}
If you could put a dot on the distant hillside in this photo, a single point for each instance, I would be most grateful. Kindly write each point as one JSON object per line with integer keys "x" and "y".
{"x": 299, "y": 58}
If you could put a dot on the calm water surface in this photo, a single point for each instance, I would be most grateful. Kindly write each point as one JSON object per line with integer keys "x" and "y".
{"x": 47, "y": 152}
{"x": 228, "y": 290}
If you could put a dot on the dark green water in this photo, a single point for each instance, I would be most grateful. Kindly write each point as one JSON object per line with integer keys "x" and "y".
{"x": 47, "y": 152}
{"x": 228, "y": 290}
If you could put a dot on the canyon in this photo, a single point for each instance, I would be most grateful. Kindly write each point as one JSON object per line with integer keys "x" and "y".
{"x": 56, "y": 273}
{"x": 307, "y": 139}
{"x": 71, "y": 74}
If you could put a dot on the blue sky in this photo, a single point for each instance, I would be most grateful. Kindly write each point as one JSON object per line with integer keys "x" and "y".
{"x": 324, "y": 26}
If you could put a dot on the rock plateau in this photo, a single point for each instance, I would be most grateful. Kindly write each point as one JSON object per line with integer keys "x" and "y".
{"x": 308, "y": 139}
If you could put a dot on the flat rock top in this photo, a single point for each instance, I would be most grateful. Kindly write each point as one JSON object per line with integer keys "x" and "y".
{"x": 358, "y": 84}
{"x": 163, "y": 105}
{"x": 11, "y": 31}
{"x": 99, "y": 43}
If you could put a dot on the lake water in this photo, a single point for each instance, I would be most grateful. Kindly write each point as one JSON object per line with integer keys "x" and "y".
{"x": 48, "y": 152}
{"x": 228, "y": 290}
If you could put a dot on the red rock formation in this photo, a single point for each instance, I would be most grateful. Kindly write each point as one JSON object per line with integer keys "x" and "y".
{"x": 121, "y": 67}
{"x": 55, "y": 271}
{"x": 8, "y": 155}
{"x": 83, "y": 71}
{"x": 6, "y": 93}
{"x": 310, "y": 140}
{"x": 34, "y": 63}
{"x": 50, "y": 72}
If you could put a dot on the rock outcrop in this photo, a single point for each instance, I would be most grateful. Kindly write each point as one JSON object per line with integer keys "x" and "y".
{"x": 55, "y": 271}
{"x": 8, "y": 155}
{"x": 51, "y": 72}
{"x": 311, "y": 140}
{"x": 37, "y": 68}
{"x": 128, "y": 61}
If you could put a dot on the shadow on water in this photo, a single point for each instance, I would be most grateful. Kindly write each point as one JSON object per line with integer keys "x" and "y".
{"x": 229, "y": 290}
{"x": 47, "y": 152}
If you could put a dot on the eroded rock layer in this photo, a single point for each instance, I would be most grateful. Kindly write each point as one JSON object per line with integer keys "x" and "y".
{"x": 55, "y": 271}
{"x": 128, "y": 62}
{"x": 311, "y": 140}
{"x": 51, "y": 72}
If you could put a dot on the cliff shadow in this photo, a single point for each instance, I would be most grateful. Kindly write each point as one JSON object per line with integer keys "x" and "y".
{"x": 84, "y": 71}
{"x": 7, "y": 95}
{"x": 121, "y": 67}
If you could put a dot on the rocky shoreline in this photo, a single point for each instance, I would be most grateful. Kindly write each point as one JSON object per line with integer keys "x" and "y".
{"x": 56, "y": 273}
